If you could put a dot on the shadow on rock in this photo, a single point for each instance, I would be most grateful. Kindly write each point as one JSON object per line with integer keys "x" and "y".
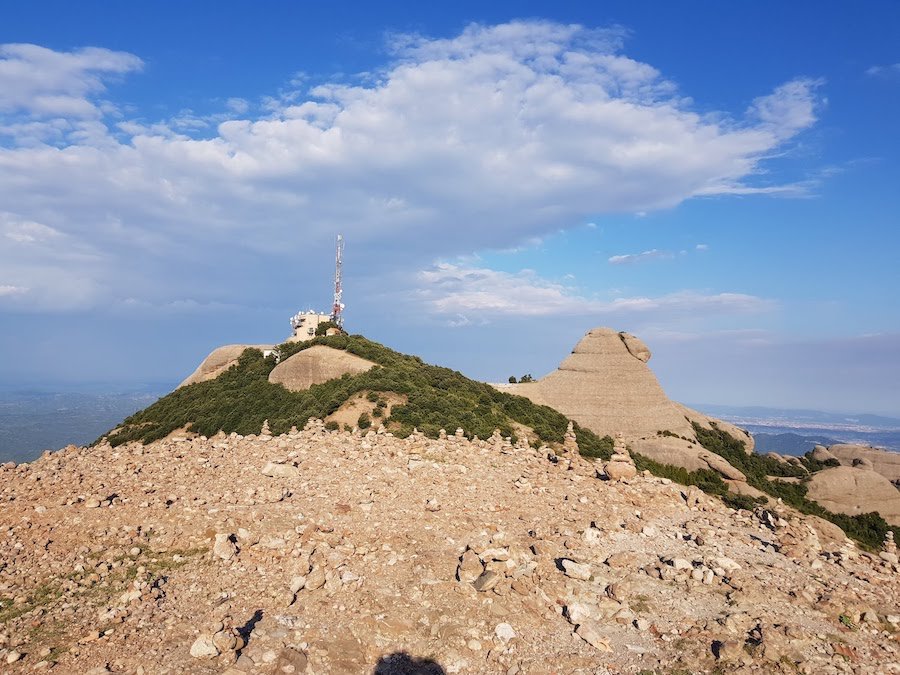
{"x": 401, "y": 663}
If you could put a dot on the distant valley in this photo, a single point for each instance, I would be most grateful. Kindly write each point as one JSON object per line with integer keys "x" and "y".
{"x": 794, "y": 432}
{"x": 34, "y": 421}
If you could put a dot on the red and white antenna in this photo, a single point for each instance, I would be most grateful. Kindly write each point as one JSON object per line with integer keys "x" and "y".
{"x": 337, "y": 310}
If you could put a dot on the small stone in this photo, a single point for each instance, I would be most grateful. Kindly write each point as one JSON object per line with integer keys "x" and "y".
{"x": 488, "y": 580}
{"x": 620, "y": 470}
{"x": 13, "y": 656}
{"x": 576, "y": 570}
{"x": 470, "y": 567}
{"x": 504, "y": 632}
{"x": 642, "y": 624}
{"x": 297, "y": 584}
{"x": 92, "y": 503}
{"x": 589, "y": 631}
{"x": 275, "y": 470}
{"x": 315, "y": 579}
{"x": 579, "y": 612}
{"x": 225, "y": 641}
{"x": 730, "y": 650}
{"x": 204, "y": 648}
{"x": 224, "y": 548}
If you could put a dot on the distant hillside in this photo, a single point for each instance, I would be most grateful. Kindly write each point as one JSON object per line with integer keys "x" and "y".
{"x": 789, "y": 443}
{"x": 435, "y": 398}
{"x": 31, "y": 422}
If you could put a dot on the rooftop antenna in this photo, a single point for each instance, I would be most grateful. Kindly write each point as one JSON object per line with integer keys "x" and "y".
{"x": 337, "y": 310}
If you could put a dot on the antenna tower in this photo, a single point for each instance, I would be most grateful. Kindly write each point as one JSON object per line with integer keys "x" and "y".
{"x": 337, "y": 310}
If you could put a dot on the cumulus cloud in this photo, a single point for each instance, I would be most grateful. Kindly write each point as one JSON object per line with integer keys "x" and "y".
{"x": 457, "y": 290}
{"x": 629, "y": 258}
{"x": 477, "y": 141}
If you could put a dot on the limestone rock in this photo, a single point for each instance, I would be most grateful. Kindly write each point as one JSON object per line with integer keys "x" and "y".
{"x": 204, "y": 648}
{"x": 279, "y": 470}
{"x": 576, "y": 570}
{"x": 224, "y": 547}
{"x": 590, "y": 632}
{"x": 620, "y": 470}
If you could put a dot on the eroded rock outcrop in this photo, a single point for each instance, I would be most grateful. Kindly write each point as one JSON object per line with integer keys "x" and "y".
{"x": 316, "y": 365}
{"x": 606, "y": 386}
{"x": 853, "y": 491}
{"x": 218, "y": 361}
{"x": 885, "y": 462}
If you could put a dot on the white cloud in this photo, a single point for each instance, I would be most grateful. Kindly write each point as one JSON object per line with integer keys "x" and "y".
{"x": 479, "y": 141}
{"x": 7, "y": 290}
{"x": 652, "y": 254}
{"x": 891, "y": 69}
{"x": 456, "y": 290}
{"x": 47, "y": 83}
{"x": 701, "y": 247}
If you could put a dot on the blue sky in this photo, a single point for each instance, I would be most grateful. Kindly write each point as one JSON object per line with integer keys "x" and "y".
{"x": 719, "y": 179}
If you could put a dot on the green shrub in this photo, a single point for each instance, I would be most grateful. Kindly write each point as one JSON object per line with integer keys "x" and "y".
{"x": 706, "y": 479}
{"x": 364, "y": 422}
{"x": 323, "y": 327}
{"x": 332, "y": 425}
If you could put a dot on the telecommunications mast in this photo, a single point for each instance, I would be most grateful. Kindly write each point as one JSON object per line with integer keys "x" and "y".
{"x": 337, "y": 310}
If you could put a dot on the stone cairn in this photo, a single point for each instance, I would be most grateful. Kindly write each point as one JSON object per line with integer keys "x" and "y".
{"x": 620, "y": 466}
{"x": 889, "y": 550}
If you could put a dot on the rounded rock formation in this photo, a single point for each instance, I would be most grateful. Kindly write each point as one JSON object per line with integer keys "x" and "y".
{"x": 218, "y": 361}
{"x": 854, "y": 491}
{"x": 315, "y": 365}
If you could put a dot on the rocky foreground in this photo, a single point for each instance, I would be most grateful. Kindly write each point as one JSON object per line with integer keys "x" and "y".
{"x": 327, "y": 552}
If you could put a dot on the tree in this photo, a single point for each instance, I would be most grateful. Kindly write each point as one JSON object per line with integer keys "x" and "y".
{"x": 512, "y": 379}
{"x": 526, "y": 378}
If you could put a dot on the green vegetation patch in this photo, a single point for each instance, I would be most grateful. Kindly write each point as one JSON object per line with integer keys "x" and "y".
{"x": 868, "y": 529}
{"x": 240, "y": 399}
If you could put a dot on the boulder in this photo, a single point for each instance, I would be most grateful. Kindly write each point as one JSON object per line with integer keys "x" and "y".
{"x": 853, "y": 491}
{"x": 885, "y": 462}
{"x": 821, "y": 454}
{"x": 690, "y": 456}
{"x": 316, "y": 365}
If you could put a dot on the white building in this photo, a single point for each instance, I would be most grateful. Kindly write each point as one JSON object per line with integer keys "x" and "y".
{"x": 304, "y": 325}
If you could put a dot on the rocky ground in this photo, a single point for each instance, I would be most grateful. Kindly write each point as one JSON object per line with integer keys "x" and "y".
{"x": 327, "y": 552}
